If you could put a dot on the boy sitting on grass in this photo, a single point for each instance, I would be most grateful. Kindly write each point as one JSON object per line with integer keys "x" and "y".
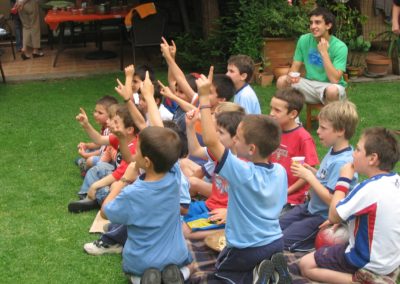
{"x": 155, "y": 241}
{"x": 99, "y": 189}
{"x": 337, "y": 124}
{"x": 286, "y": 106}
{"x": 257, "y": 192}
{"x": 372, "y": 210}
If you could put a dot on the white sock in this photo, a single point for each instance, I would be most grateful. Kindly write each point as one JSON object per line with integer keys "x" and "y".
{"x": 135, "y": 279}
{"x": 185, "y": 272}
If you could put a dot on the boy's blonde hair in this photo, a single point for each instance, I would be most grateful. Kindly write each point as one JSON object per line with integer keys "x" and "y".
{"x": 228, "y": 106}
{"x": 342, "y": 115}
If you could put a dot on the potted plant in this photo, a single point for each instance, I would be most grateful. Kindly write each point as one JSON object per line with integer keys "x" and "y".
{"x": 358, "y": 49}
{"x": 265, "y": 76}
{"x": 282, "y": 23}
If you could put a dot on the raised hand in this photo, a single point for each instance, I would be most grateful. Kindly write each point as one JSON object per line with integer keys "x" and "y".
{"x": 147, "y": 87}
{"x": 123, "y": 91}
{"x": 165, "y": 91}
{"x": 191, "y": 117}
{"x": 129, "y": 71}
{"x": 204, "y": 83}
{"x": 82, "y": 117}
{"x": 165, "y": 49}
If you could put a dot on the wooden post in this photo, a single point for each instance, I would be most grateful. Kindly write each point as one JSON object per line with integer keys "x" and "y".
{"x": 210, "y": 12}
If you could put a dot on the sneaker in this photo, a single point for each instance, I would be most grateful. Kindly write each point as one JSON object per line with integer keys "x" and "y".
{"x": 83, "y": 205}
{"x": 282, "y": 275}
{"x": 151, "y": 276}
{"x": 263, "y": 272}
{"x": 98, "y": 247}
{"x": 171, "y": 274}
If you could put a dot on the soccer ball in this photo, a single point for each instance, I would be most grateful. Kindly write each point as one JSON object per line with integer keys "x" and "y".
{"x": 329, "y": 236}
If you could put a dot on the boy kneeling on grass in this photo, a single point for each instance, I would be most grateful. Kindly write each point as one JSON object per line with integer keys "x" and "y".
{"x": 257, "y": 193}
{"x": 372, "y": 210}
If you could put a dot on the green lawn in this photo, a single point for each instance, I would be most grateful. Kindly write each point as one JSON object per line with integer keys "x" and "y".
{"x": 40, "y": 241}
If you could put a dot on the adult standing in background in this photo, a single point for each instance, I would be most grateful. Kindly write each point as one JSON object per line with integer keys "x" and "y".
{"x": 29, "y": 15}
{"x": 396, "y": 16}
{"x": 17, "y": 26}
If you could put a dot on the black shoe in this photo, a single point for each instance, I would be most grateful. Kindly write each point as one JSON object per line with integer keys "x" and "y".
{"x": 172, "y": 275}
{"x": 151, "y": 276}
{"x": 40, "y": 54}
{"x": 280, "y": 264}
{"x": 263, "y": 272}
{"x": 82, "y": 196}
{"x": 83, "y": 205}
{"x": 24, "y": 56}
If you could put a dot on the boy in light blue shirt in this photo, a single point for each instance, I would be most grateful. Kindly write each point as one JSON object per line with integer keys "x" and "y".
{"x": 337, "y": 124}
{"x": 257, "y": 193}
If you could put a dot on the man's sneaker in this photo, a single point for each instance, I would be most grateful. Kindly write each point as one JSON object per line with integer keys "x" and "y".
{"x": 151, "y": 276}
{"x": 171, "y": 274}
{"x": 263, "y": 271}
{"x": 83, "y": 205}
{"x": 98, "y": 247}
{"x": 282, "y": 275}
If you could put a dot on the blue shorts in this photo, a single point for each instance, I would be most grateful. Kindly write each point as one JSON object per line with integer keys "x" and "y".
{"x": 333, "y": 258}
{"x": 197, "y": 217}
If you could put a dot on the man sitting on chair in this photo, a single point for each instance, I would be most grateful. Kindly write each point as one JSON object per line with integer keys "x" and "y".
{"x": 324, "y": 57}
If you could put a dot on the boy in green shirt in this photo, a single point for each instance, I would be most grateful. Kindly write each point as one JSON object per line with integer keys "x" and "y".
{"x": 324, "y": 57}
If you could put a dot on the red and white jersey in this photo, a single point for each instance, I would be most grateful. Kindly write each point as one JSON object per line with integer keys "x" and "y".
{"x": 372, "y": 210}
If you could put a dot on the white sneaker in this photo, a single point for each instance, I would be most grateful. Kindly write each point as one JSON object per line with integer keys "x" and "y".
{"x": 98, "y": 247}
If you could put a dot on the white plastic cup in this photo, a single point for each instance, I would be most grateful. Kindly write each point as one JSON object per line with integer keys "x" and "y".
{"x": 294, "y": 74}
{"x": 298, "y": 159}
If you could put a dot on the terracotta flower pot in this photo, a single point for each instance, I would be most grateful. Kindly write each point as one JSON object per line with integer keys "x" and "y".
{"x": 354, "y": 72}
{"x": 265, "y": 79}
{"x": 377, "y": 64}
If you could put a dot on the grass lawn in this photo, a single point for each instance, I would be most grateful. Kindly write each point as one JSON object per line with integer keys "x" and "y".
{"x": 40, "y": 241}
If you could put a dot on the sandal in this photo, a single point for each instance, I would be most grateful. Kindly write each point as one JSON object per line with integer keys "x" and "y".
{"x": 40, "y": 54}
{"x": 24, "y": 56}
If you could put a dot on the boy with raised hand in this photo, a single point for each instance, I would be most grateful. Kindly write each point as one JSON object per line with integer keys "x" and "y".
{"x": 240, "y": 69}
{"x": 99, "y": 189}
{"x": 204, "y": 217}
{"x": 286, "y": 106}
{"x": 155, "y": 241}
{"x": 337, "y": 124}
{"x": 257, "y": 192}
{"x": 372, "y": 211}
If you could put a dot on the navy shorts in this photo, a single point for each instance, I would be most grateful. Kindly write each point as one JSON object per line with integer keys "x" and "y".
{"x": 333, "y": 258}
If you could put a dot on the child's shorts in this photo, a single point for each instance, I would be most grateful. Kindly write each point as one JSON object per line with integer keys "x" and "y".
{"x": 197, "y": 218}
{"x": 333, "y": 258}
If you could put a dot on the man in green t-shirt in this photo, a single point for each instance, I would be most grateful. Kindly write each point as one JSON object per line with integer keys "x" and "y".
{"x": 324, "y": 57}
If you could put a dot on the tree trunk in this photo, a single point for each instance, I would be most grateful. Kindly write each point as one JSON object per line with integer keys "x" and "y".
{"x": 210, "y": 14}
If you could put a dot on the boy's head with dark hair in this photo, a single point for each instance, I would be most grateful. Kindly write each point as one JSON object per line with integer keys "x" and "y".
{"x": 223, "y": 89}
{"x": 125, "y": 117}
{"x": 257, "y": 135}
{"x": 172, "y": 125}
{"x": 229, "y": 120}
{"x": 285, "y": 106}
{"x": 240, "y": 69}
{"x": 161, "y": 146}
{"x": 327, "y": 16}
{"x": 140, "y": 75}
{"x": 342, "y": 116}
{"x": 100, "y": 113}
{"x": 381, "y": 143}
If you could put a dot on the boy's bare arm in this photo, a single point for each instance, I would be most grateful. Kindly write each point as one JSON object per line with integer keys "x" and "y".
{"x": 105, "y": 181}
{"x": 147, "y": 90}
{"x": 93, "y": 133}
{"x": 166, "y": 92}
{"x": 116, "y": 187}
{"x": 210, "y": 137}
{"x": 332, "y": 73}
{"x": 194, "y": 146}
{"x": 175, "y": 70}
{"x": 300, "y": 171}
{"x": 296, "y": 186}
{"x": 124, "y": 92}
{"x": 347, "y": 172}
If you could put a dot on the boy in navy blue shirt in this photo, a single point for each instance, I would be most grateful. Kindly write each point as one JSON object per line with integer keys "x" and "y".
{"x": 257, "y": 193}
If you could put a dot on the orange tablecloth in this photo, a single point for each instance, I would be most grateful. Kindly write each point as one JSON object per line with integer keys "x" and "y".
{"x": 54, "y": 19}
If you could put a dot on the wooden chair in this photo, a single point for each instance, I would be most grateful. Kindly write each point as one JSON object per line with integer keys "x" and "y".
{"x": 312, "y": 110}
{"x": 5, "y": 33}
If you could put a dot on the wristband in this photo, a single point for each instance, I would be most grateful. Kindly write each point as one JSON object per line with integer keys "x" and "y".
{"x": 127, "y": 100}
{"x": 204, "y": 107}
{"x": 343, "y": 185}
